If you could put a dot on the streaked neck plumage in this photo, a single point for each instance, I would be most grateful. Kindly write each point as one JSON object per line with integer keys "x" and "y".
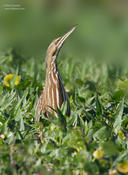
{"x": 51, "y": 65}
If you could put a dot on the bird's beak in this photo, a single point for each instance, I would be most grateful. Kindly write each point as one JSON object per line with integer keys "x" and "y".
{"x": 65, "y": 36}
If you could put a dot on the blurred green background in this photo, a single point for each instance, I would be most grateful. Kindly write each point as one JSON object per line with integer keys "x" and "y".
{"x": 102, "y": 32}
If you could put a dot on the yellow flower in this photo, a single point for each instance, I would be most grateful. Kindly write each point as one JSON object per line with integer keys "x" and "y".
{"x": 79, "y": 149}
{"x": 121, "y": 135}
{"x": 98, "y": 154}
{"x": 52, "y": 128}
{"x": 122, "y": 167}
{"x": 75, "y": 153}
{"x": 8, "y": 78}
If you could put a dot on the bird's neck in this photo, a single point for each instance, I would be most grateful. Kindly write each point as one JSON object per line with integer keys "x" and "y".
{"x": 51, "y": 68}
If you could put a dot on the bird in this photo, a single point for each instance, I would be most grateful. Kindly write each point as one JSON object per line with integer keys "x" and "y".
{"x": 54, "y": 94}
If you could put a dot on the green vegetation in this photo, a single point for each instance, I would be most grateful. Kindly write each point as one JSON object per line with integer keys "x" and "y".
{"x": 94, "y": 139}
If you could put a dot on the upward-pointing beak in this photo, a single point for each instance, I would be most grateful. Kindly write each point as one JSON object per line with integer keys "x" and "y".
{"x": 65, "y": 36}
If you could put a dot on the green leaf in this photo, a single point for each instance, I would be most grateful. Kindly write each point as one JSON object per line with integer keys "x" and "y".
{"x": 110, "y": 148}
{"x": 79, "y": 82}
{"x": 18, "y": 115}
{"x": 1, "y": 90}
{"x": 62, "y": 120}
{"x": 123, "y": 85}
{"x": 64, "y": 108}
{"x": 74, "y": 139}
{"x": 102, "y": 134}
{"x": 118, "y": 95}
{"x": 118, "y": 117}
{"x": 21, "y": 123}
{"x": 98, "y": 107}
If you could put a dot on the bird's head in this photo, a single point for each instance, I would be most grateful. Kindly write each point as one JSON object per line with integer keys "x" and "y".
{"x": 56, "y": 45}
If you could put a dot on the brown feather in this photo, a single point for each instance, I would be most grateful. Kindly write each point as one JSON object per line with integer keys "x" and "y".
{"x": 54, "y": 94}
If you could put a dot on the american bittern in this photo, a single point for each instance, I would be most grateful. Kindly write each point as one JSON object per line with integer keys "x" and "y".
{"x": 54, "y": 94}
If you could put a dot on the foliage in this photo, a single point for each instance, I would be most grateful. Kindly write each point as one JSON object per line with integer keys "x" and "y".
{"x": 92, "y": 140}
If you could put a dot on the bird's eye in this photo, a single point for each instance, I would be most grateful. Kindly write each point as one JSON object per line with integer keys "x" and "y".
{"x": 57, "y": 40}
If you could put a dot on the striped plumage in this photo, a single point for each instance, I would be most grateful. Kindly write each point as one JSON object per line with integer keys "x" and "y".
{"x": 54, "y": 94}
